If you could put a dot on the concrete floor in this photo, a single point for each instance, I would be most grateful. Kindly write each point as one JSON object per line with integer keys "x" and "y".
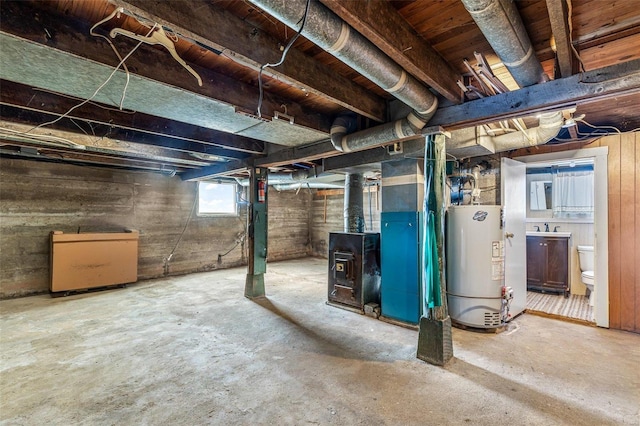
{"x": 192, "y": 350}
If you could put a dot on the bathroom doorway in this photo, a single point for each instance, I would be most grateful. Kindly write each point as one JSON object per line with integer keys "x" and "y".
{"x": 583, "y": 231}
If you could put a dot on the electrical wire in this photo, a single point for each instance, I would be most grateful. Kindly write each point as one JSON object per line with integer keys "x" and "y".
{"x": 599, "y": 127}
{"x": 575, "y": 52}
{"x": 282, "y": 58}
{"x": 39, "y": 89}
{"x": 49, "y": 139}
{"x": 117, "y": 12}
{"x": 98, "y": 89}
{"x": 195, "y": 201}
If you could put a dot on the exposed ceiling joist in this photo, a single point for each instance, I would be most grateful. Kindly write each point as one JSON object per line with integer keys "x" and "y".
{"x": 215, "y": 170}
{"x": 99, "y": 131}
{"x": 298, "y": 154}
{"x": 589, "y": 87}
{"x": 559, "y": 17}
{"x": 158, "y": 78}
{"x": 586, "y": 88}
{"x": 371, "y": 156}
{"x": 93, "y": 160}
{"x": 25, "y": 97}
{"x": 379, "y": 21}
{"x": 249, "y": 46}
{"x": 54, "y": 139}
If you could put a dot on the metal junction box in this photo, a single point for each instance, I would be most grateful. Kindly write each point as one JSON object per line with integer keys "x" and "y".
{"x": 354, "y": 268}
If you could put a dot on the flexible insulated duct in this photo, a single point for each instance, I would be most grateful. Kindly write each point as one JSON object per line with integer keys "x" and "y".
{"x": 331, "y": 33}
{"x": 549, "y": 125}
{"x": 502, "y": 26}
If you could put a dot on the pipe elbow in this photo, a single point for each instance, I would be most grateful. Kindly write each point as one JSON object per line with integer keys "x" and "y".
{"x": 341, "y": 126}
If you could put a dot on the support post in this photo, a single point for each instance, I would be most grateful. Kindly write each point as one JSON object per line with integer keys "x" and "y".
{"x": 435, "y": 344}
{"x": 257, "y": 230}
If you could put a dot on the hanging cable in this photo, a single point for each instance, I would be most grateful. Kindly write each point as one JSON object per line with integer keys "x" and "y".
{"x": 575, "y": 52}
{"x": 117, "y": 12}
{"x": 168, "y": 259}
{"x": 282, "y": 58}
{"x": 97, "y": 90}
{"x": 599, "y": 127}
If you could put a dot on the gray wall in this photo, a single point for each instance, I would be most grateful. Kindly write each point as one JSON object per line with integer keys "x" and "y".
{"x": 39, "y": 197}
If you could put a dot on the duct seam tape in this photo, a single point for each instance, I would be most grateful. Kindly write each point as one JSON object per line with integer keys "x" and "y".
{"x": 433, "y": 107}
{"x": 338, "y": 129}
{"x": 345, "y": 146}
{"x": 415, "y": 120}
{"x": 398, "y": 129}
{"x": 521, "y": 61}
{"x": 477, "y": 12}
{"x": 399, "y": 84}
{"x": 342, "y": 39}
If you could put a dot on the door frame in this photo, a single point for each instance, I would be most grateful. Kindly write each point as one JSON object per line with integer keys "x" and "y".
{"x": 600, "y": 219}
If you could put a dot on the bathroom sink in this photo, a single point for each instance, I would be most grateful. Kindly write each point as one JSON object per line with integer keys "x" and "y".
{"x": 548, "y": 234}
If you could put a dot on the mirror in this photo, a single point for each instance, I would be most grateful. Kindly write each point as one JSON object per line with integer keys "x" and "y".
{"x": 540, "y": 195}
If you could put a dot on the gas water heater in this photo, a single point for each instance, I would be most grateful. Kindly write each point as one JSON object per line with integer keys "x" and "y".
{"x": 476, "y": 294}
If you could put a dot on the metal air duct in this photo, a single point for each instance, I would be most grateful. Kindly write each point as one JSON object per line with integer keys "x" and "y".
{"x": 353, "y": 210}
{"x": 328, "y": 31}
{"x": 502, "y": 26}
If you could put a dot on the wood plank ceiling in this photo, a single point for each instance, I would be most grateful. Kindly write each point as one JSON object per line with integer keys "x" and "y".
{"x": 227, "y": 41}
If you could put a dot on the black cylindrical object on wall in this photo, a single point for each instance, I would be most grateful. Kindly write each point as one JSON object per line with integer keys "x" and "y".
{"x": 353, "y": 210}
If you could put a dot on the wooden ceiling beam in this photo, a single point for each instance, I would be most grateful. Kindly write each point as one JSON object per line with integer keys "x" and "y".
{"x": 379, "y": 21}
{"x": 620, "y": 81}
{"x": 559, "y": 17}
{"x": 215, "y": 170}
{"x": 55, "y": 105}
{"x": 589, "y": 87}
{"x": 34, "y": 118}
{"x": 17, "y": 133}
{"x": 68, "y": 156}
{"x": 241, "y": 42}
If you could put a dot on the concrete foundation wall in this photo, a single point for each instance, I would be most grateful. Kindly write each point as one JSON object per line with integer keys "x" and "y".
{"x": 38, "y": 197}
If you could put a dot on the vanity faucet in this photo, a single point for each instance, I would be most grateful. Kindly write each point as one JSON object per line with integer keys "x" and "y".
{"x": 537, "y": 228}
{"x": 546, "y": 227}
{"x": 555, "y": 228}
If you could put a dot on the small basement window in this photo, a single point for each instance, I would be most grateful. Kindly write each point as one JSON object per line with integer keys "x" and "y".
{"x": 217, "y": 199}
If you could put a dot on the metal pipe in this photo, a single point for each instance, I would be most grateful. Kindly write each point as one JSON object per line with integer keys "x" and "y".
{"x": 331, "y": 33}
{"x": 310, "y": 185}
{"x": 353, "y": 210}
{"x": 502, "y": 26}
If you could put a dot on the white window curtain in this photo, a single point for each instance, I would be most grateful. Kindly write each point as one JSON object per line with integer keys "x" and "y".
{"x": 573, "y": 194}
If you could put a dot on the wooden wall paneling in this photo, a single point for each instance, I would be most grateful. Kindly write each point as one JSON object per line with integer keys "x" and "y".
{"x": 627, "y": 228}
{"x": 288, "y": 231}
{"x": 613, "y": 142}
{"x": 636, "y": 233}
{"x": 321, "y": 225}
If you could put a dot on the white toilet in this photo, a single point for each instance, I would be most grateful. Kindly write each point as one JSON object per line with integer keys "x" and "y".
{"x": 585, "y": 256}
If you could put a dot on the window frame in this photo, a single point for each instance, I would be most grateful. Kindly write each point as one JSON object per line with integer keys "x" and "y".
{"x": 236, "y": 211}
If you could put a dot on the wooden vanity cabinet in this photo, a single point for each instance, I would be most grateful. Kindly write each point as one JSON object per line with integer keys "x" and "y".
{"x": 548, "y": 264}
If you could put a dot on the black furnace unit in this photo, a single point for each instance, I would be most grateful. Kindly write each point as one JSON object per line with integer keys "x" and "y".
{"x": 354, "y": 268}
